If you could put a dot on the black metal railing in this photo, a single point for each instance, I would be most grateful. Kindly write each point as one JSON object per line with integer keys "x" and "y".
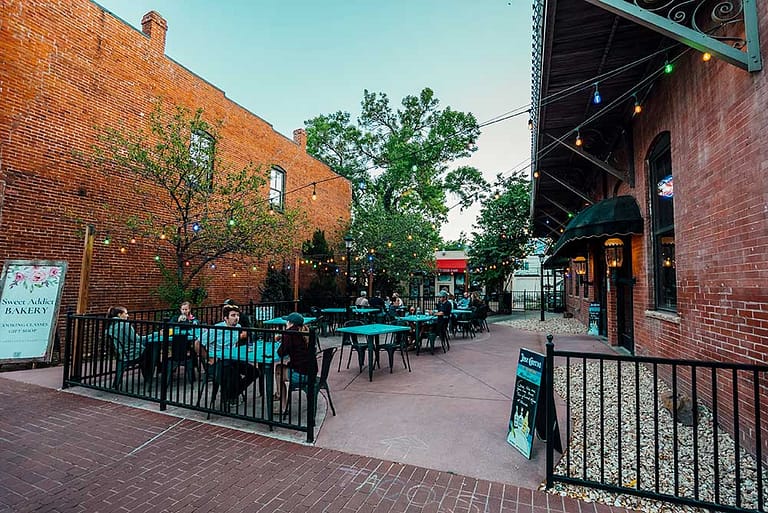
{"x": 212, "y": 314}
{"x": 680, "y": 431}
{"x": 198, "y": 367}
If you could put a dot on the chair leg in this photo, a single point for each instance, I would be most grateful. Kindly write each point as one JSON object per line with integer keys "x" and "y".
{"x": 330, "y": 402}
{"x": 341, "y": 355}
{"x": 406, "y": 359}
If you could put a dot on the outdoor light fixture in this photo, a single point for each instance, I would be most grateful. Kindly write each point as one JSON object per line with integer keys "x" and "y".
{"x": 348, "y": 243}
{"x": 314, "y": 191}
{"x": 580, "y": 265}
{"x": 706, "y": 56}
{"x": 596, "y": 98}
{"x": 669, "y": 67}
{"x": 614, "y": 253}
{"x": 579, "y": 142}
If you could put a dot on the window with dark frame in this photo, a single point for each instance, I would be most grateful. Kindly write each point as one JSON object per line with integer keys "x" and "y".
{"x": 201, "y": 154}
{"x": 661, "y": 189}
{"x": 277, "y": 189}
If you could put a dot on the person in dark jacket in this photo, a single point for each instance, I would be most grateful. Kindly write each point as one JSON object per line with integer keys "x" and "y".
{"x": 296, "y": 345}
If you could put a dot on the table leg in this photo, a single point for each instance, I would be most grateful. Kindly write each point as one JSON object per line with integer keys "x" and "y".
{"x": 371, "y": 342}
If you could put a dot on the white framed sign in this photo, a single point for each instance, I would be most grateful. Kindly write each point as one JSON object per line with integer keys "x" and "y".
{"x": 30, "y": 295}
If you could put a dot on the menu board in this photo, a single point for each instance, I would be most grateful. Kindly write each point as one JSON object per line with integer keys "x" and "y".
{"x": 30, "y": 294}
{"x": 594, "y": 319}
{"x": 525, "y": 402}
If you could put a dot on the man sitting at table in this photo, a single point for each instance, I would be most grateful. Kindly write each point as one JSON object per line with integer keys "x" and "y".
{"x": 362, "y": 301}
{"x": 463, "y": 303}
{"x": 443, "y": 312}
{"x": 376, "y": 301}
{"x": 234, "y": 375}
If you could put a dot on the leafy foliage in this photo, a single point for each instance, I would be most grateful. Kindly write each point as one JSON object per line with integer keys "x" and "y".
{"x": 276, "y": 286}
{"x": 501, "y": 238}
{"x": 204, "y": 209}
{"x": 398, "y": 163}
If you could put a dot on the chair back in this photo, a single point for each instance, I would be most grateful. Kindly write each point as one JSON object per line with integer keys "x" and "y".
{"x": 179, "y": 348}
{"x": 350, "y": 338}
{"x": 325, "y": 365}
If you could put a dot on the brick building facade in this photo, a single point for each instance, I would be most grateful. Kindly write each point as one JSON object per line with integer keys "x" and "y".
{"x": 70, "y": 67}
{"x": 679, "y": 141}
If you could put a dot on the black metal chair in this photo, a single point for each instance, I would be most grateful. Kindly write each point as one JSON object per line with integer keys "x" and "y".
{"x": 182, "y": 355}
{"x": 321, "y": 381}
{"x": 398, "y": 342}
{"x": 351, "y": 340}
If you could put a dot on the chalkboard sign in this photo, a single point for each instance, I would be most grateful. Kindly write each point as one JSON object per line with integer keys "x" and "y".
{"x": 525, "y": 402}
{"x": 594, "y": 319}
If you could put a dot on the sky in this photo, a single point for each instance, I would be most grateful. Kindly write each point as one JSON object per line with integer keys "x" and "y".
{"x": 288, "y": 62}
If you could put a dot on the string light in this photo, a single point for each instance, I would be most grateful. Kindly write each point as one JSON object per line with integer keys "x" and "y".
{"x": 596, "y": 98}
{"x": 162, "y": 236}
{"x": 232, "y": 222}
{"x": 638, "y": 108}
{"x": 706, "y": 56}
{"x": 196, "y": 227}
{"x": 123, "y": 250}
{"x": 579, "y": 142}
{"x": 669, "y": 67}
{"x": 535, "y": 174}
{"x": 314, "y": 191}
{"x": 133, "y": 240}
{"x": 107, "y": 239}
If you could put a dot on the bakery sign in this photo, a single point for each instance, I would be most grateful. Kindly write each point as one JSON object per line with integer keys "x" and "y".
{"x": 30, "y": 295}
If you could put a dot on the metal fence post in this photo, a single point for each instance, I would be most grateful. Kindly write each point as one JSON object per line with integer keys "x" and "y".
{"x": 550, "y": 398}
{"x": 311, "y": 395}
{"x": 163, "y": 371}
{"x": 67, "y": 351}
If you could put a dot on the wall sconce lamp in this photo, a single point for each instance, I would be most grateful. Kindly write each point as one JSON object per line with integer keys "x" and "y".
{"x": 614, "y": 259}
{"x": 580, "y": 268}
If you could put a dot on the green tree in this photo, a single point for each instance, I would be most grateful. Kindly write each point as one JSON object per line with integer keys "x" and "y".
{"x": 276, "y": 286}
{"x": 324, "y": 284}
{"x": 203, "y": 208}
{"x": 501, "y": 236}
{"x": 399, "y": 164}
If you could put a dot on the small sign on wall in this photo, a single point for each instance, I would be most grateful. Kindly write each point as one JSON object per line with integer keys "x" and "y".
{"x": 30, "y": 295}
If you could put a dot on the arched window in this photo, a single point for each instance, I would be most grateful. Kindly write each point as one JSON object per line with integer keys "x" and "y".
{"x": 277, "y": 189}
{"x": 661, "y": 189}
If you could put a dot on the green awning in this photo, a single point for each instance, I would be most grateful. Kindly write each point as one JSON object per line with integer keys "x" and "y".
{"x": 608, "y": 218}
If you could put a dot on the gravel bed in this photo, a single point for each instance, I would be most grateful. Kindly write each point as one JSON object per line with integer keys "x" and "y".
{"x": 591, "y": 449}
{"x": 554, "y": 325}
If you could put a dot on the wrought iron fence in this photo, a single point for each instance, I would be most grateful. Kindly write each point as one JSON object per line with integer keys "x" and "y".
{"x": 680, "y": 431}
{"x": 212, "y": 314}
{"x": 198, "y": 367}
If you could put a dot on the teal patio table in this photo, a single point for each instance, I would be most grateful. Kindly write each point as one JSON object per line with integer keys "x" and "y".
{"x": 372, "y": 333}
{"x": 419, "y": 320}
{"x": 262, "y": 354}
{"x": 279, "y": 321}
{"x": 336, "y": 315}
{"x": 365, "y": 312}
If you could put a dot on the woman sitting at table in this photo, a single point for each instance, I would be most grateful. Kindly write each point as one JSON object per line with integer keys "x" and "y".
{"x": 397, "y": 302}
{"x": 297, "y": 346}
{"x": 130, "y": 347}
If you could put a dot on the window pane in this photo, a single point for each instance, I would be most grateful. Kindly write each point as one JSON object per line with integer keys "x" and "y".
{"x": 201, "y": 155}
{"x": 663, "y": 223}
{"x": 276, "y": 188}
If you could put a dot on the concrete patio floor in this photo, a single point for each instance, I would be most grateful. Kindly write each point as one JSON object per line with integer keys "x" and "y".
{"x": 449, "y": 414}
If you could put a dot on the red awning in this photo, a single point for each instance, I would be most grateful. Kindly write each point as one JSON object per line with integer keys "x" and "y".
{"x": 451, "y": 265}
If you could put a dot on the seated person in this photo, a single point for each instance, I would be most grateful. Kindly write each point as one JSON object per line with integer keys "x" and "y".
{"x": 376, "y": 301}
{"x": 463, "y": 303}
{"x": 245, "y": 319}
{"x": 362, "y": 301}
{"x": 296, "y": 345}
{"x": 475, "y": 301}
{"x": 397, "y": 302}
{"x": 185, "y": 314}
{"x": 443, "y": 312}
{"x": 230, "y": 370}
{"x": 129, "y": 346}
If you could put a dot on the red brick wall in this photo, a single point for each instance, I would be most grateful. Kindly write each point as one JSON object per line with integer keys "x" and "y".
{"x": 717, "y": 117}
{"x": 68, "y": 67}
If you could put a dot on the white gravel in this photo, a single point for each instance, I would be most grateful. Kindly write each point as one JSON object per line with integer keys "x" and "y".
{"x": 554, "y": 325}
{"x": 626, "y": 429}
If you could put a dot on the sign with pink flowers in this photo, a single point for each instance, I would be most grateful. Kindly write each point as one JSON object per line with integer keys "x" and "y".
{"x": 30, "y": 294}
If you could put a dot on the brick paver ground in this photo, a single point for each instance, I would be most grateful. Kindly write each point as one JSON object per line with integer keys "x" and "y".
{"x": 65, "y": 453}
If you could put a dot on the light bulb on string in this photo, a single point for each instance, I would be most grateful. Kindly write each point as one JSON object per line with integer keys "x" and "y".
{"x": 314, "y": 191}
{"x": 530, "y": 124}
{"x": 535, "y": 174}
{"x": 706, "y": 56}
{"x": 232, "y": 221}
{"x": 133, "y": 240}
{"x": 107, "y": 239}
{"x": 579, "y": 142}
{"x": 196, "y": 227}
{"x": 638, "y": 108}
{"x": 669, "y": 67}
{"x": 123, "y": 250}
{"x": 162, "y": 236}
{"x": 596, "y": 98}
